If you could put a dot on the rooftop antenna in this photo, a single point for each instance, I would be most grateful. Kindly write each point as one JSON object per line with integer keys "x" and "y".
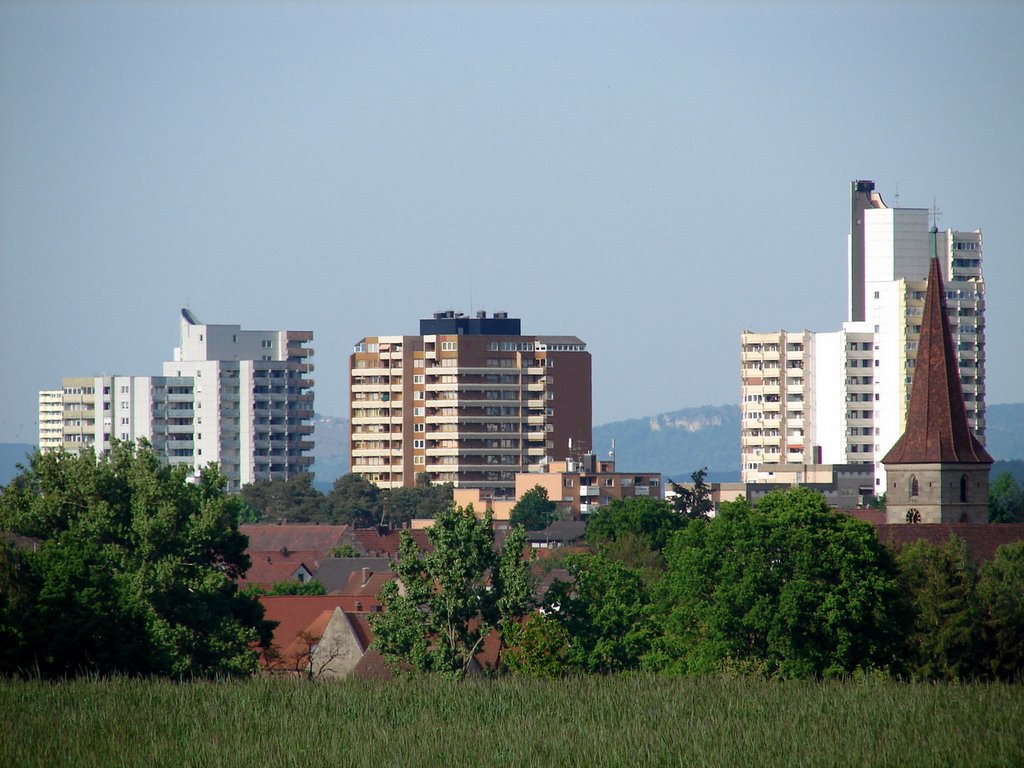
{"x": 936, "y": 214}
{"x": 611, "y": 453}
{"x": 897, "y": 196}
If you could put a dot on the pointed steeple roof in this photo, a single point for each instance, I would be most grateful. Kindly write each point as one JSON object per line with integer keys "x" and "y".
{"x": 937, "y": 429}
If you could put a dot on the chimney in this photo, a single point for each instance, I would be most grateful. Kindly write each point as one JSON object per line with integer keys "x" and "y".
{"x": 366, "y": 575}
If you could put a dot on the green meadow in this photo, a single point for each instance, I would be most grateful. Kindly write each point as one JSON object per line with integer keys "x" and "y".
{"x": 586, "y": 721}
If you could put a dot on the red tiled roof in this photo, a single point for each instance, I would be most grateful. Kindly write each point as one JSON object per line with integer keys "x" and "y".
{"x": 270, "y": 567}
{"x": 867, "y": 514}
{"x": 376, "y": 545}
{"x": 982, "y": 539}
{"x": 357, "y": 587}
{"x": 937, "y": 431}
{"x": 298, "y": 613}
{"x": 319, "y": 539}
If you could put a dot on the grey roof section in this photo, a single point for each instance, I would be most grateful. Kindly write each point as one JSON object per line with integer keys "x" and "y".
{"x": 334, "y": 572}
{"x": 561, "y": 531}
{"x": 560, "y": 339}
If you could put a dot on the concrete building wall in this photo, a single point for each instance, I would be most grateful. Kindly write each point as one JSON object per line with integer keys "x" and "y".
{"x": 465, "y": 407}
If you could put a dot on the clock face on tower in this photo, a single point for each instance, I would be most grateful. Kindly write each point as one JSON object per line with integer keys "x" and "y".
{"x": 913, "y": 516}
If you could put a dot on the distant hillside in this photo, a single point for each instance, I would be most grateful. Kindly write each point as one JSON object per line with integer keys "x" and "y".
{"x": 330, "y": 451}
{"x": 1004, "y": 431}
{"x": 12, "y": 454}
{"x": 677, "y": 443}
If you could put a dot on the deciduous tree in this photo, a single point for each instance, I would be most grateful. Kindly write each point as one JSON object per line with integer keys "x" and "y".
{"x": 694, "y": 501}
{"x": 1001, "y": 604}
{"x": 788, "y": 588}
{"x": 1005, "y": 500}
{"x": 354, "y": 500}
{"x": 651, "y": 520}
{"x": 604, "y": 613}
{"x": 136, "y": 568}
{"x": 534, "y": 510}
{"x": 445, "y": 602}
{"x": 294, "y": 500}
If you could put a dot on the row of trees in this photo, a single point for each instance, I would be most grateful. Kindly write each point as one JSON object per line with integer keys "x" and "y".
{"x": 119, "y": 564}
{"x": 353, "y": 500}
{"x": 786, "y": 588}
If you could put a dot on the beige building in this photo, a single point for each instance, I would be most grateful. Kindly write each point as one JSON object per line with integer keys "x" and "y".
{"x": 776, "y": 399}
{"x": 470, "y": 400}
{"x": 577, "y": 486}
{"x": 51, "y": 419}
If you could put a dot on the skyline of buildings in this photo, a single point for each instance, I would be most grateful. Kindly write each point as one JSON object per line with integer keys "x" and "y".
{"x": 470, "y": 400}
{"x": 239, "y": 398}
{"x": 841, "y": 397}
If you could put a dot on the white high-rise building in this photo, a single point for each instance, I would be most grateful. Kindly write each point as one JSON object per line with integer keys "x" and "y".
{"x": 239, "y": 398}
{"x": 856, "y": 381}
{"x": 252, "y": 399}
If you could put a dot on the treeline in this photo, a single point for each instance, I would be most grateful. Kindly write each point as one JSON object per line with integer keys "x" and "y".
{"x": 353, "y": 500}
{"x": 119, "y": 564}
{"x": 786, "y": 588}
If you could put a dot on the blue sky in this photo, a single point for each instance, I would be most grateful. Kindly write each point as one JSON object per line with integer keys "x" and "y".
{"x": 652, "y": 177}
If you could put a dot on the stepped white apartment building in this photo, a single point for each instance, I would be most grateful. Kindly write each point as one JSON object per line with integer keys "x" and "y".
{"x": 841, "y": 397}
{"x": 470, "y": 400}
{"x": 239, "y": 398}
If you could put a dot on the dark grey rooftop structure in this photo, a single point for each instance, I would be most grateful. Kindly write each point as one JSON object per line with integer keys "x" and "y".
{"x": 334, "y": 572}
{"x": 450, "y": 322}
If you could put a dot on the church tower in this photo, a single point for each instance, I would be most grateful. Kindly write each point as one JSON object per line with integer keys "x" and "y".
{"x": 937, "y": 472}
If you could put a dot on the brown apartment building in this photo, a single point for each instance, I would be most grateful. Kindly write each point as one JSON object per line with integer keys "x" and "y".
{"x": 470, "y": 400}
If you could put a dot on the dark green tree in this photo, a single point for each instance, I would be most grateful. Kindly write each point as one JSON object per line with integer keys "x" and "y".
{"x": 293, "y": 587}
{"x": 534, "y": 510}
{"x": 136, "y": 568}
{"x": 294, "y": 500}
{"x": 1005, "y": 500}
{"x": 1001, "y": 603}
{"x": 651, "y": 520}
{"x": 424, "y": 500}
{"x": 788, "y": 588}
{"x": 940, "y": 582}
{"x": 695, "y": 501}
{"x": 634, "y": 552}
{"x": 19, "y": 592}
{"x": 539, "y": 648}
{"x": 354, "y": 500}
{"x": 452, "y": 597}
{"x": 603, "y": 610}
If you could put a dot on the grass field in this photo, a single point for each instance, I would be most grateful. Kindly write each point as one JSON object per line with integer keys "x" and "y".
{"x": 632, "y": 720}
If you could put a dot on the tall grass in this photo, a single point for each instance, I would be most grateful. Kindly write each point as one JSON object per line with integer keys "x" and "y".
{"x": 591, "y": 721}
